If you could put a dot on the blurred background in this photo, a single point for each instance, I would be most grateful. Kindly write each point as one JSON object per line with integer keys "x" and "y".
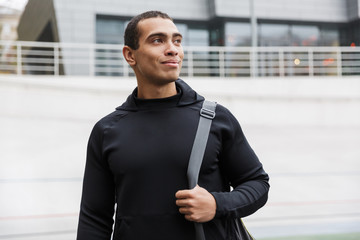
{"x": 288, "y": 70}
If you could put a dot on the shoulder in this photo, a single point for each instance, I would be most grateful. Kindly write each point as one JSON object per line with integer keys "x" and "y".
{"x": 108, "y": 120}
{"x": 225, "y": 123}
{"x": 224, "y": 114}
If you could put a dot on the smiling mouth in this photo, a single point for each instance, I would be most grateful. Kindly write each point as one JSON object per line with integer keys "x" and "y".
{"x": 171, "y": 63}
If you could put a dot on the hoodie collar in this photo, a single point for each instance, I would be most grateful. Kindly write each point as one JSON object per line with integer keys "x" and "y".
{"x": 186, "y": 96}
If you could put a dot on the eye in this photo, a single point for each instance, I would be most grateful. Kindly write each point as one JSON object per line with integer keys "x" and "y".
{"x": 157, "y": 40}
{"x": 178, "y": 41}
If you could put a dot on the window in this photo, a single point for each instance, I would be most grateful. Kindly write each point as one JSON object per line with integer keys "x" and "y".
{"x": 305, "y": 35}
{"x": 110, "y": 30}
{"x": 297, "y": 35}
{"x": 198, "y": 37}
{"x": 237, "y": 34}
{"x": 329, "y": 37}
{"x": 274, "y": 34}
{"x": 193, "y": 34}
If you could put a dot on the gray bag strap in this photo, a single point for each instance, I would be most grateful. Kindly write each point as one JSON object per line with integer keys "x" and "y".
{"x": 207, "y": 114}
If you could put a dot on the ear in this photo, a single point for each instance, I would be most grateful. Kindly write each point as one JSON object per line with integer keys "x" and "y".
{"x": 129, "y": 55}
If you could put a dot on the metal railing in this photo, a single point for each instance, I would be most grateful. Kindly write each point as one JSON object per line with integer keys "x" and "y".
{"x": 25, "y": 58}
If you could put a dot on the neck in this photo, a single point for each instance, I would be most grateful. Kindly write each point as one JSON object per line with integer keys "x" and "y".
{"x": 148, "y": 91}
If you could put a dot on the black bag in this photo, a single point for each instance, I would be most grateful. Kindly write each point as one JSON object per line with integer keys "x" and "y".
{"x": 235, "y": 229}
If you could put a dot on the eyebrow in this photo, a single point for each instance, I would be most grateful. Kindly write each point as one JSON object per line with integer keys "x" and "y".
{"x": 161, "y": 34}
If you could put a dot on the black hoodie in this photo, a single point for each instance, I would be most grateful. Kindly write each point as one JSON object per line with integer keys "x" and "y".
{"x": 137, "y": 158}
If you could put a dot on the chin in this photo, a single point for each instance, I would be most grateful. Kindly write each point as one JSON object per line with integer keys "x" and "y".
{"x": 170, "y": 78}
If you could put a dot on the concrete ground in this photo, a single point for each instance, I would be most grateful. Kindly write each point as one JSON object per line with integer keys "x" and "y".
{"x": 314, "y": 169}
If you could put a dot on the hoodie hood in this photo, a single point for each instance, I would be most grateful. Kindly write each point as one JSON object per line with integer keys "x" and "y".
{"x": 187, "y": 97}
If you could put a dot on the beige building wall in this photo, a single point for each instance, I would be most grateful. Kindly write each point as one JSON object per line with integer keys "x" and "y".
{"x": 9, "y": 19}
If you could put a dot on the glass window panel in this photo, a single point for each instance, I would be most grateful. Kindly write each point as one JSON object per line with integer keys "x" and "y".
{"x": 329, "y": 37}
{"x": 237, "y": 34}
{"x": 198, "y": 37}
{"x": 193, "y": 35}
{"x": 274, "y": 35}
{"x": 305, "y": 35}
{"x": 110, "y": 31}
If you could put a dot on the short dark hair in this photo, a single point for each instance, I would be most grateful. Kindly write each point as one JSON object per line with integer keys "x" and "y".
{"x": 131, "y": 36}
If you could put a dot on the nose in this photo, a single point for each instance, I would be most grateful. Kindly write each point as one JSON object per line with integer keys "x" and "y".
{"x": 171, "y": 50}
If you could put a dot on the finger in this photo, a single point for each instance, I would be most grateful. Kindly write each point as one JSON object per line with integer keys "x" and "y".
{"x": 189, "y": 218}
{"x": 185, "y": 211}
{"x": 192, "y": 218}
{"x": 181, "y": 202}
{"x": 188, "y": 202}
{"x": 183, "y": 194}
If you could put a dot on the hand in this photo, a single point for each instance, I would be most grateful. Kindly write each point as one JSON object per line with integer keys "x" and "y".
{"x": 197, "y": 204}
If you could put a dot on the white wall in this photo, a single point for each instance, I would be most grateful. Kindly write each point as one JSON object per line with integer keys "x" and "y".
{"x": 263, "y": 101}
{"x": 289, "y": 101}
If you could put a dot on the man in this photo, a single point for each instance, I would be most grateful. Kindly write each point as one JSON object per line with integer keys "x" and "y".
{"x": 138, "y": 155}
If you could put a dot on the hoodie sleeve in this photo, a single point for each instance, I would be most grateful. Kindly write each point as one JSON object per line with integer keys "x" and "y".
{"x": 98, "y": 196}
{"x": 244, "y": 172}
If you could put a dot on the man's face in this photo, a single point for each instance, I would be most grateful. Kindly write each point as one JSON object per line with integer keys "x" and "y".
{"x": 158, "y": 59}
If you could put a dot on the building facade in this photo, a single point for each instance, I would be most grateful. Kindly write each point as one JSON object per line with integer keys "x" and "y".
{"x": 9, "y": 18}
{"x": 202, "y": 23}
